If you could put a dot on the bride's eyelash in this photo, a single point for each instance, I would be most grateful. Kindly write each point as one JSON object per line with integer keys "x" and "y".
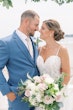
{"x": 43, "y": 28}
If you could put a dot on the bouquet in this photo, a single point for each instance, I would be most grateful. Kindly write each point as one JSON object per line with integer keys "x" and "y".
{"x": 42, "y": 91}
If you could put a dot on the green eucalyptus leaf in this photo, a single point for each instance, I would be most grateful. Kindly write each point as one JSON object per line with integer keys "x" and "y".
{"x": 1, "y": 0}
{"x": 8, "y": 3}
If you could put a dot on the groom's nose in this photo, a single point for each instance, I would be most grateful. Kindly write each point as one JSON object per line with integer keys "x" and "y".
{"x": 37, "y": 29}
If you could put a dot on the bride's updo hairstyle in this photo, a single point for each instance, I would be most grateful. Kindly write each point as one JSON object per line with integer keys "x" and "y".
{"x": 54, "y": 25}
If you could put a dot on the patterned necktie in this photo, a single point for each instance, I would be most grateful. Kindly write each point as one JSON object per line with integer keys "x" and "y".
{"x": 30, "y": 48}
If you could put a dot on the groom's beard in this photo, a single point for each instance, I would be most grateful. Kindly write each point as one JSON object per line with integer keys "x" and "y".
{"x": 30, "y": 34}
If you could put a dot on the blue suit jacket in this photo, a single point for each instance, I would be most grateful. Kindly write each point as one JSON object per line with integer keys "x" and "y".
{"x": 15, "y": 55}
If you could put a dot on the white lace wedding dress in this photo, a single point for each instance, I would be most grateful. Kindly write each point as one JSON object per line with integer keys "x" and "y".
{"x": 52, "y": 67}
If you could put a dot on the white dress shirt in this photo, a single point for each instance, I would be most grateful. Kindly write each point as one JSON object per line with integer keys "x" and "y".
{"x": 23, "y": 38}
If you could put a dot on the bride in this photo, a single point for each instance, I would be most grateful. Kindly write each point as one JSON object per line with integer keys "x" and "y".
{"x": 53, "y": 58}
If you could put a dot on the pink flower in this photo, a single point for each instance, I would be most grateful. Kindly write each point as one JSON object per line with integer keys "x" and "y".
{"x": 42, "y": 86}
{"x": 48, "y": 99}
{"x": 42, "y": 78}
{"x": 27, "y": 93}
{"x": 58, "y": 97}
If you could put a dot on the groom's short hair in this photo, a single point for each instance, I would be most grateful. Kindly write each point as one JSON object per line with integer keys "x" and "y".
{"x": 28, "y": 14}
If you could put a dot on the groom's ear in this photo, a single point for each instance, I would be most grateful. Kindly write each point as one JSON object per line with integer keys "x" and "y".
{"x": 26, "y": 22}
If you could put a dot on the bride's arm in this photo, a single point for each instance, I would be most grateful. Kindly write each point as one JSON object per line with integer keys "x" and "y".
{"x": 65, "y": 64}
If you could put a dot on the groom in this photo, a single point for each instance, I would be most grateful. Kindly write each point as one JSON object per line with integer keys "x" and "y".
{"x": 16, "y": 55}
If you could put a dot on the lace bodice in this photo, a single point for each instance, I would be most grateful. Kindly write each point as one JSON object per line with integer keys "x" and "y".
{"x": 51, "y": 66}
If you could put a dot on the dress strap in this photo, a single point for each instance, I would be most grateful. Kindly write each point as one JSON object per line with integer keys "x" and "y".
{"x": 58, "y": 50}
{"x": 40, "y": 49}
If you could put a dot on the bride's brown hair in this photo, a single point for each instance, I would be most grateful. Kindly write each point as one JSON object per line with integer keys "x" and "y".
{"x": 54, "y": 25}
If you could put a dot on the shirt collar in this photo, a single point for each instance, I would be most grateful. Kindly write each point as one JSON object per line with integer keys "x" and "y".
{"x": 21, "y": 35}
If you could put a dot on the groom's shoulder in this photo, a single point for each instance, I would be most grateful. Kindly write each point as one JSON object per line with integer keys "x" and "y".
{"x": 7, "y": 38}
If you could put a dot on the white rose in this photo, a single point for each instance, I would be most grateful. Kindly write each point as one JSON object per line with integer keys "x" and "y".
{"x": 37, "y": 79}
{"x": 49, "y": 80}
{"x": 39, "y": 97}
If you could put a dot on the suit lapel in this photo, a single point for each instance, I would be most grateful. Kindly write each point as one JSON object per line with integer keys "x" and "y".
{"x": 22, "y": 47}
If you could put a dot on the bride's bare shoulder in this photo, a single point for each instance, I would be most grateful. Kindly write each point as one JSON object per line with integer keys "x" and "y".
{"x": 63, "y": 50}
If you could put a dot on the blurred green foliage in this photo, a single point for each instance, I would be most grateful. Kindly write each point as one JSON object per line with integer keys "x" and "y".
{"x": 8, "y": 3}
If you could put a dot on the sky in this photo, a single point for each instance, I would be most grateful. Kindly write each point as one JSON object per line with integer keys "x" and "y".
{"x": 10, "y": 18}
